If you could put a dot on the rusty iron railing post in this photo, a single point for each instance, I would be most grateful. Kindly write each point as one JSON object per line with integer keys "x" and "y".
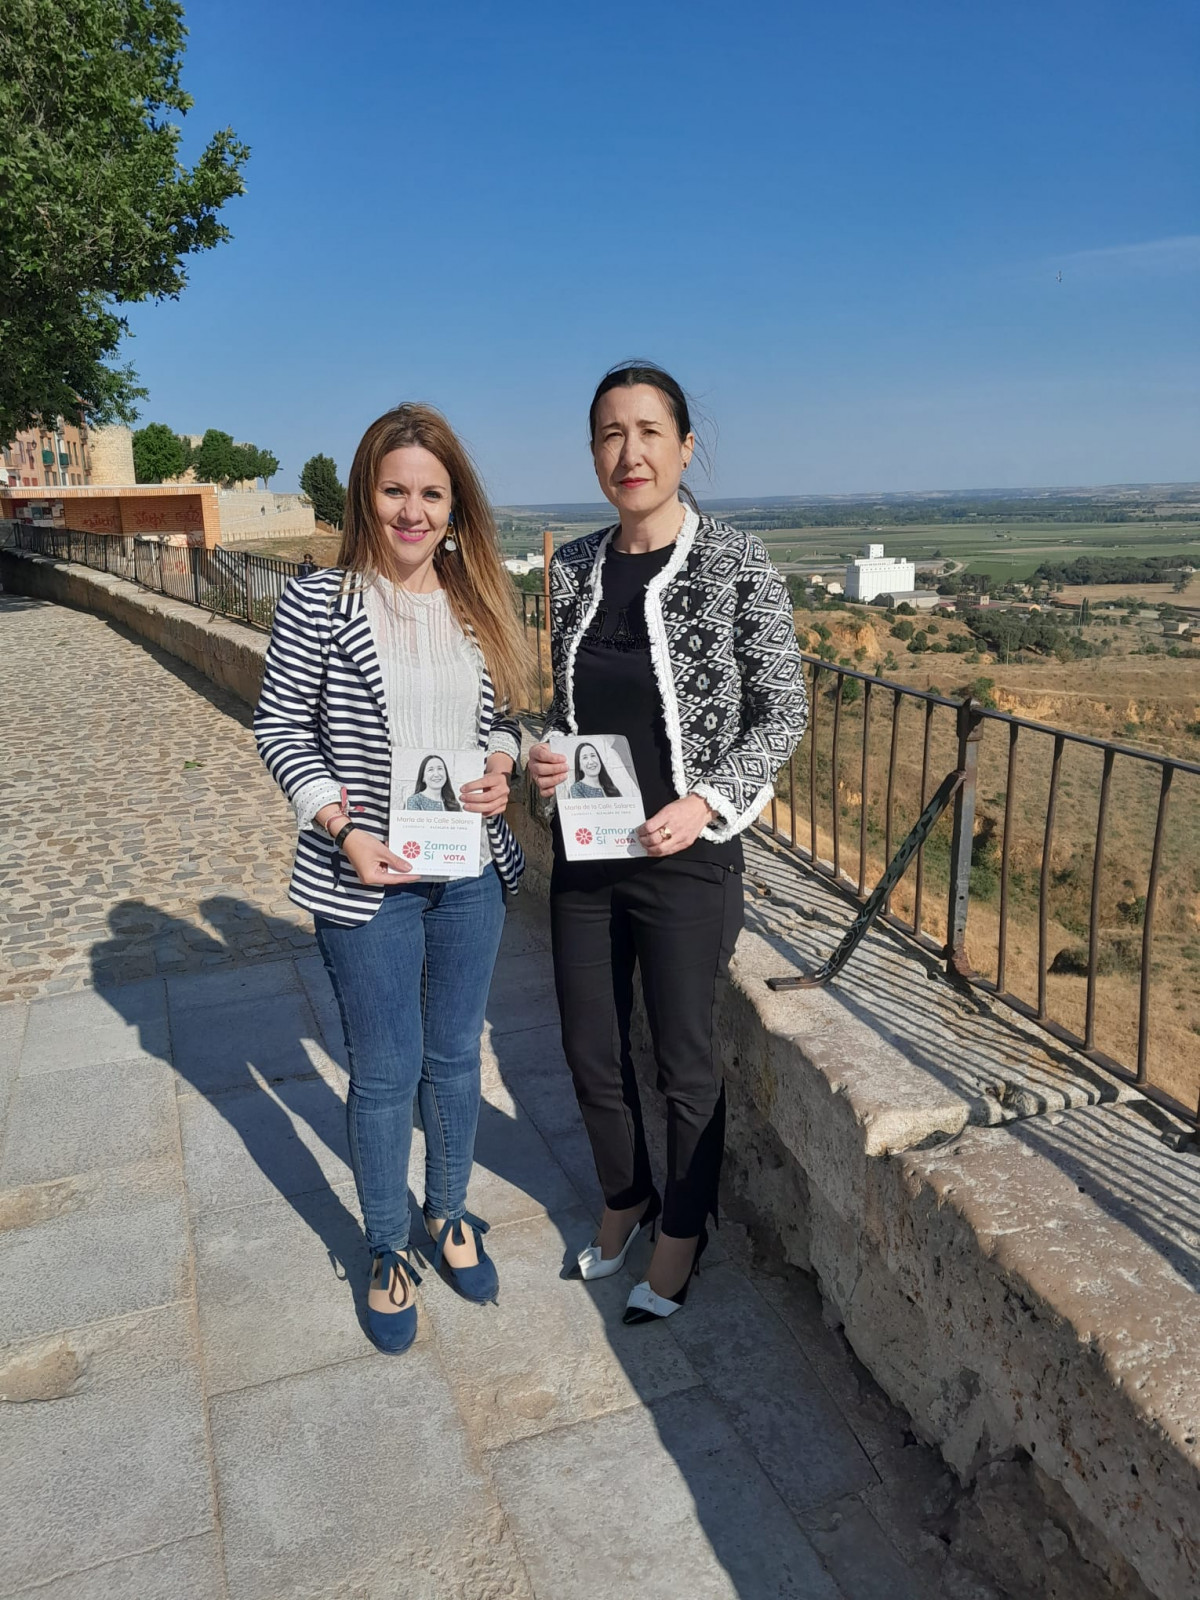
{"x": 814, "y": 701}
{"x": 864, "y": 785}
{"x": 1164, "y": 793}
{"x": 891, "y": 788}
{"x": 970, "y": 730}
{"x": 1044, "y": 877}
{"x": 1089, "y": 1024}
{"x": 834, "y": 764}
{"x": 1005, "y": 856}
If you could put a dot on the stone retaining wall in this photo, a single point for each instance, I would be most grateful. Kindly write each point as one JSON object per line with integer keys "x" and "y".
{"x": 248, "y": 514}
{"x": 1009, "y": 1238}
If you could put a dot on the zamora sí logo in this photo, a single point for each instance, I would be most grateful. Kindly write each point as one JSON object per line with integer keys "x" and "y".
{"x": 583, "y": 836}
{"x": 412, "y": 850}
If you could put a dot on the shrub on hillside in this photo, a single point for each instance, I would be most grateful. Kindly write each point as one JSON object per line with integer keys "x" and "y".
{"x": 981, "y": 689}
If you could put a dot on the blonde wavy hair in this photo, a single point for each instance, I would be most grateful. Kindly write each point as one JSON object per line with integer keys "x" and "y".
{"x": 480, "y": 591}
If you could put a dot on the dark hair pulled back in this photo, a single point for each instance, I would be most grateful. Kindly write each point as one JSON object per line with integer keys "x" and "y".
{"x": 629, "y": 375}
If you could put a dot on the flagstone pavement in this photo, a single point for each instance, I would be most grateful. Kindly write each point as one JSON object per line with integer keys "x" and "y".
{"x": 189, "y": 1408}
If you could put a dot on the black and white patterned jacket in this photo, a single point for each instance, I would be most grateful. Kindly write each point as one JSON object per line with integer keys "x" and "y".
{"x": 725, "y": 655}
{"x": 322, "y": 718}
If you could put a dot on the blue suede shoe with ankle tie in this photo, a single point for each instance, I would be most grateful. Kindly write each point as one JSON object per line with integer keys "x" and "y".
{"x": 394, "y": 1331}
{"x": 480, "y": 1282}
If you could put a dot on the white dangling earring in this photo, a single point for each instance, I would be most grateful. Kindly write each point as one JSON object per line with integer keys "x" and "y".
{"x": 448, "y": 541}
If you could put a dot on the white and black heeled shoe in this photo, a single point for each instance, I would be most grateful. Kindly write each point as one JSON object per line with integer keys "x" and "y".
{"x": 644, "y": 1305}
{"x": 590, "y": 1264}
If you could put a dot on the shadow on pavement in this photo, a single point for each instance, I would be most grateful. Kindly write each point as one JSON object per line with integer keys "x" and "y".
{"x": 569, "y": 1396}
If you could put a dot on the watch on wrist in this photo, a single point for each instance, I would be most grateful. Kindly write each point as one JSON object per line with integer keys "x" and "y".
{"x": 342, "y": 833}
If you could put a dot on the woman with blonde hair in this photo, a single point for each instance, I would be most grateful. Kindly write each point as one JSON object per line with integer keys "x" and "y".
{"x": 412, "y": 641}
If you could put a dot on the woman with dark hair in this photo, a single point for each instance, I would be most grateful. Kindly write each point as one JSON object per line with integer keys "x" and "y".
{"x": 434, "y": 791}
{"x": 411, "y": 642}
{"x": 592, "y": 781}
{"x": 675, "y": 631}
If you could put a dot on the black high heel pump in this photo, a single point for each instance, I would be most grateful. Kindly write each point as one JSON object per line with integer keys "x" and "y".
{"x": 644, "y": 1305}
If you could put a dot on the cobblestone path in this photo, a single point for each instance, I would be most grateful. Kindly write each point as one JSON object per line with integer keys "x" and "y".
{"x": 140, "y": 833}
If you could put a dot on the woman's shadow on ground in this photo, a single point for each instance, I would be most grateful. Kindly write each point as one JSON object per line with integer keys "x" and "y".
{"x": 270, "y": 1059}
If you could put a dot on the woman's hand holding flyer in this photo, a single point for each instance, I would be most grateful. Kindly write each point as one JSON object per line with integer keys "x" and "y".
{"x": 429, "y": 825}
{"x": 599, "y": 802}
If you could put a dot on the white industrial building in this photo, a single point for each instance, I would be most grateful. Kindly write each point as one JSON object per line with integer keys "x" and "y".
{"x": 873, "y": 573}
{"x": 532, "y": 561}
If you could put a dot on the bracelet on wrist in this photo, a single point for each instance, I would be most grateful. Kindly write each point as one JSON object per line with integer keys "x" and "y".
{"x": 350, "y": 827}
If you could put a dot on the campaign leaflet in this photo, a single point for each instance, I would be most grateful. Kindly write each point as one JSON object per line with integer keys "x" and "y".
{"x": 427, "y": 824}
{"x": 599, "y": 802}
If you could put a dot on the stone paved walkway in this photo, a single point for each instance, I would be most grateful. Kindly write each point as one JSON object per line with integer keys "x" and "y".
{"x": 138, "y": 833}
{"x": 188, "y": 1406}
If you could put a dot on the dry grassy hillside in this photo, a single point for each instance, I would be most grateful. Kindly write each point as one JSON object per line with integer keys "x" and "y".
{"x": 1144, "y": 701}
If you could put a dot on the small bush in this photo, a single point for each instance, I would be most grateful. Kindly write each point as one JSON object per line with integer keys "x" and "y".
{"x": 1132, "y": 912}
{"x": 1121, "y": 955}
{"x": 981, "y": 689}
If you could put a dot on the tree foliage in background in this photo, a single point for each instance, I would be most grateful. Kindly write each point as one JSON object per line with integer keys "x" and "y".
{"x": 319, "y": 480}
{"x": 217, "y": 459}
{"x": 97, "y": 211}
{"x": 1114, "y": 569}
{"x": 159, "y": 454}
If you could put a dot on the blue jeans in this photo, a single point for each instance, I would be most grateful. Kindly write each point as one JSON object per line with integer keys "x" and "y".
{"x": 412, "y": 985}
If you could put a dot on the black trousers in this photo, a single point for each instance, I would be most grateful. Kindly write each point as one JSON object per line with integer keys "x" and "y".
{"x": 676, "y": 920}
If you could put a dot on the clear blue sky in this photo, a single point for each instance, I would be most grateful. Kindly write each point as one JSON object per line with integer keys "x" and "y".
{"x": 839, "y": 224}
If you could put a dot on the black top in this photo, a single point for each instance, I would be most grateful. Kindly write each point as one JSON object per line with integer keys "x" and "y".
{"x": 616, "y": 690}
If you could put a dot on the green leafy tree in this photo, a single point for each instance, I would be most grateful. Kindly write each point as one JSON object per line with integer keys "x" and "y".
{"x": 159, "y": 454}
{"x": 98, "y": 211}
{"x": 265, "y": 464}
{"x": 320, "y": 482}
{"x": 217, "y": 459}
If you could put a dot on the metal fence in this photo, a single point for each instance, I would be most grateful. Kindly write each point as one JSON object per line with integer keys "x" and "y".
{"x": 230, "y": 583}
{"x": 1063, "y": 877}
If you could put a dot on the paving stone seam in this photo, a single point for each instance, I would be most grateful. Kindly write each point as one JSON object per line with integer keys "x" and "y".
{"x": 367, "y": 1353}
{"x": 193, "y": 1303}
{"x": 835, "y": 1405}
{"x": 243, "y": 1205}
{"x": 11, "y": 1088}
{"x": 113, "y": 1561}
{"x": 188, "y": 1091}
{"x": 95, "y": 1322}
{"x": 640, "y": 1404}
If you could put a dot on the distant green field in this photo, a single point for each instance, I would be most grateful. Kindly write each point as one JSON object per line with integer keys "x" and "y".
{"x": 1000, "y": 550}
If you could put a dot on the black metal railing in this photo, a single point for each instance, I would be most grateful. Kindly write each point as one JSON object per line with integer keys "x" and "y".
{"x": 1048, "y": 879}
{"x": 1063, "y": 876}
{"x": 229, "y": 583}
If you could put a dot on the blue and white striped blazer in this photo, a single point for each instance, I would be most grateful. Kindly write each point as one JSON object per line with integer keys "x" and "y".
{"x": 322, "y": 715}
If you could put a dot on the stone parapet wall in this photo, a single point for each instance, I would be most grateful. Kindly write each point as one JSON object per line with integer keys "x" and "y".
{"x": 1009, "y": 1238}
